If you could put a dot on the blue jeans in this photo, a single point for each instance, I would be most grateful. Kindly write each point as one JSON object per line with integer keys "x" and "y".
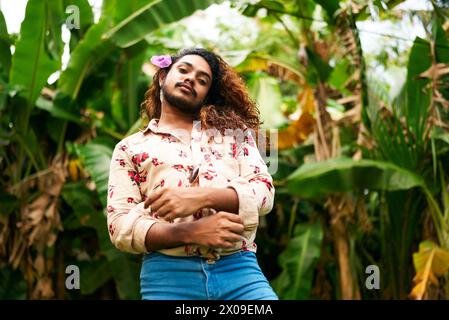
{"x": 233, "y": 277}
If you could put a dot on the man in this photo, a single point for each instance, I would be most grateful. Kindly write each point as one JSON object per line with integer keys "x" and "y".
{"x": 188, "y": 189}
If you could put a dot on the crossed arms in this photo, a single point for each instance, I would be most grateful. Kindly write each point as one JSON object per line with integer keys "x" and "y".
{"x": 238, "y": 207}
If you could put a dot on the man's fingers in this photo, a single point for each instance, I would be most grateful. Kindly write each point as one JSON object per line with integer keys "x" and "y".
{"x": 236, "y": 228}
{"x": 162, "y": 211}
{"x": 158, "y": 204}
{"x": 232, "y": 217}
{"x": 232, "y": 237}
{"x": 227, "y": 244}
{"x": 153, "y": 197}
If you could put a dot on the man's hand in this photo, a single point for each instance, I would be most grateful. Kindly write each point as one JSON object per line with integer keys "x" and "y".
{"x": 220, "y": 230}
{"x": 171, "y": 203}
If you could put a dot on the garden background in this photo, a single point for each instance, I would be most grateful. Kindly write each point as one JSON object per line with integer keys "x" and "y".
{"x": 357, "y": 90}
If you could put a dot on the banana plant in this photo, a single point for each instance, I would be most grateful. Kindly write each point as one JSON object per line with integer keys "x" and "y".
{"x": 44, "y": 120}
{"x": 401, "y": 168}
{"x": 299, "y": 261}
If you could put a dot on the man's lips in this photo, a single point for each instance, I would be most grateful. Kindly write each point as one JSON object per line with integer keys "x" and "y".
{"x": 186, "y": 87}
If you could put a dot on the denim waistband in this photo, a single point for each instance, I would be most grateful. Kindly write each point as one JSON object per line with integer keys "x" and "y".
{"x": 224, "y": 256}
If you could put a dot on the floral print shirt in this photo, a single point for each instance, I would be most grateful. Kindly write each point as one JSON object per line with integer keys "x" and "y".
{"x": 153, "y": 158}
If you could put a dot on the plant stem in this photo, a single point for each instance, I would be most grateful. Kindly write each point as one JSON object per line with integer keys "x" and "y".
{"x": 292, "y": 220}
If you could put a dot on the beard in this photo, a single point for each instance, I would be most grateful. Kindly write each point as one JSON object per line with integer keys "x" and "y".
{"x": 181, "y": 103}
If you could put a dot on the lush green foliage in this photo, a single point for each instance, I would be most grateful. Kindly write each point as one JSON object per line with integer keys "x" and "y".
{"x": 361, "y": 176}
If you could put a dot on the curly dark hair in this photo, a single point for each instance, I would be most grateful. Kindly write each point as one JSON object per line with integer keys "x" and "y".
{"x": 227, "y": 104}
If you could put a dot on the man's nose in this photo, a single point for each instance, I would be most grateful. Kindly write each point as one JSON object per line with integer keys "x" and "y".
{"x": 189, "y": 79}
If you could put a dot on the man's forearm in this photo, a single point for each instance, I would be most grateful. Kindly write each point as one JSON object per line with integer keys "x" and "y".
{"x": 221, "y": 199}
{"x": 169, "y": 235}
{"x": 164, "y": 235}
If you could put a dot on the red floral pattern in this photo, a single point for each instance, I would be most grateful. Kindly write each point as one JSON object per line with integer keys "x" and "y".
{"x": 159, "y": 185}
{"x": 110, "y": 191}
{"x": 217, "y": 155}
{"x": 264, "y": 201}
{"x": 137, "y": 159}
{"x": 209, "y": 174}
{"x": 244, "y": 246}
{"x": 123, "y": 147}
{"x": 264, "y": 180}
{"x": 121, "y": 162}
{"x": 249, "y": 141}
{"x": 179, "y": 167}
{"x": 256, "y": 169}
{"x": 136, "y": 174}
{"x": 233, "y": 150}
{"x": 167, "y": 137}
{"x": 156, "y": 162}
{"x": 137, "y": 177}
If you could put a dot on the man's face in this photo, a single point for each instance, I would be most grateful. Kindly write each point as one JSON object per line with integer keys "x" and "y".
{"x": 187, "y": 83}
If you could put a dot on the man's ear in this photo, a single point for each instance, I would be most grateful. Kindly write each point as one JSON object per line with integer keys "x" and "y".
{"x": 162, "y": 76}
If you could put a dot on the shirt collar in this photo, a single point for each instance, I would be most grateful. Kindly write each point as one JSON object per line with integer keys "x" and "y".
{"x": 153, "y": 126}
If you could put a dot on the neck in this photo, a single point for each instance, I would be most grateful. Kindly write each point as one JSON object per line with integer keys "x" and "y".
{"x": 174, "y": 118}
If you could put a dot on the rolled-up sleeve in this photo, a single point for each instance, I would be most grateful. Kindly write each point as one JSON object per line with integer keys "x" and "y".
{"x": 254, "y": 186}
{"x": 128, "y": 221}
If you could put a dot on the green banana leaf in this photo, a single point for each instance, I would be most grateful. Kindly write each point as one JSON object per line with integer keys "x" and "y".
{"x": 93, "y": 275}
{"x": 298, "y": 263}
{"x": 97, "y": 157}
{"x": 30, "y": 145}
{"x": 330, "y": 6}
{"x": 129, "y": 85}
{"x": 5, "y": 52}
{"x": 59, "y": 111}
{"x": 345, "y": 174}
{"x": 96, "y": 44}
{"x": 31, "y": 65}
{"x": 266, "y": 92}
{"x": 12, "y": 284}
{"x": 121, "y": 10}
{"x": 89, "y": 52}
{"x": 151, "y": 17}
{"x": 417, "y": 89}
{"x": 86, "y": 15}
{"x": 8, "y": 203}
{"x": 251, "y": 9}
{"x": 442, "y": 53}
{"x": 56, "y": 18}
{"x": 321, "y": 68}
{"x": 123, "y": 268}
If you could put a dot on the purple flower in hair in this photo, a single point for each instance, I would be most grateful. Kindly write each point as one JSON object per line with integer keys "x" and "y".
{"x": 161, "y": 61}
